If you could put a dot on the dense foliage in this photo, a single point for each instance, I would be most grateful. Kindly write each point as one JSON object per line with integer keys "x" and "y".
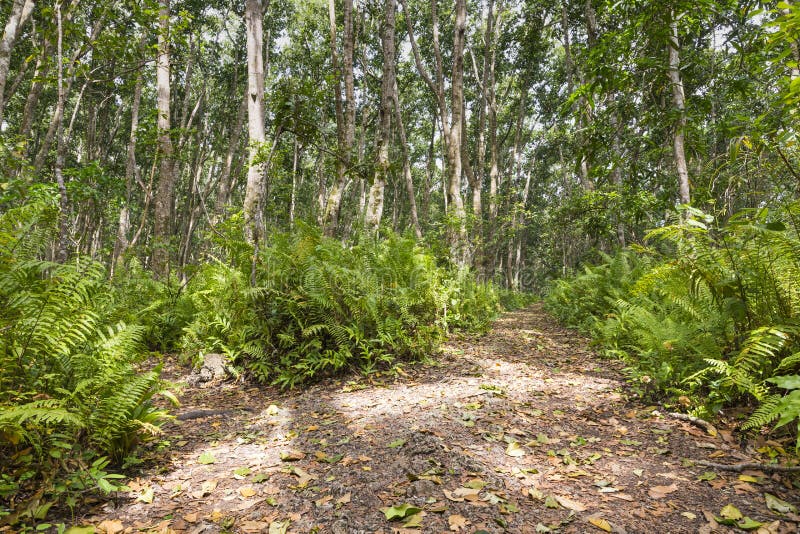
{"x": 710, "y": 311}
{"x": 73, "y": 396}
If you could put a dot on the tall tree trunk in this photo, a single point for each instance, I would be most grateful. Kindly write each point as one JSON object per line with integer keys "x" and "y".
{"x": 293, "y": 198}
{"x": 225, "y": 179}
{"x": 408, "y": 177}
{"x": 345, "y": 112}
{"x": 124, "y": 225}
{"x": 61, "y": 247}
{"x": 253, "y": 217}
{"x": 377, "y": 191}
{"x": 679, "y": 101}
{"x": 20, "y": 13}
{"x": 165, "y": 190}
{"x": 458, "y": 236}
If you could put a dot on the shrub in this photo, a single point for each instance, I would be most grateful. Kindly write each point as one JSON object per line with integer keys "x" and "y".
{"x": 71, "y": 396}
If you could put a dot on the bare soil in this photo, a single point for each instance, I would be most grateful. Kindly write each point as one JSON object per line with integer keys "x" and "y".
{"x": 522, "y": 430}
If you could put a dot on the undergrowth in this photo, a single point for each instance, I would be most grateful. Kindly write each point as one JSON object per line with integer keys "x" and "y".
{"x": 708, "y": 311}
{"x": 316, "y": 307}
{"x": 72, "y": 397}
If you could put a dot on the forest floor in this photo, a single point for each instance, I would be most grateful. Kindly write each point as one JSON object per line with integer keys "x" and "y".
{"x": 521, "y": 430}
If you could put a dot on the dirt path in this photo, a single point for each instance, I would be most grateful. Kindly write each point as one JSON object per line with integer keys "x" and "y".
{"x": 523, "y": 430}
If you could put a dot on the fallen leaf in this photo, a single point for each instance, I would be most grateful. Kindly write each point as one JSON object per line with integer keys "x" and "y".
{"x": 659, "y": 492}
{"x": 457, "y": 522}
{"x": 323, "y": 500}
{"x": 241, "y": 473}
{"x": 271, "y": 410}
{"x": 146, "y": 496}
{"x": 396, "y": 444}
{"x": 730, "y": 512}
{"x": 344, "y": 499}
{"x": 303, "y": 476}
{"x": 206, "y": 458}
{"x": 749, "y": 478}
{"x": 600, "y": 523}
{"x": 475, "y": 483}
{"x": 400, "y": 512}
{"x": 689, "y": 515}
{"x": 190, "y": 518}
{"x": 414, "y": 520}
{"x": 777, "y": 505}
{"x": 247, "y": 491}
{"x": 110, "y": 526}
{"x": 252, "y": 526}
{"x": 292, "y": 456}
{"x": 80, "y": 530}
{"x": 550, "y": 502}
{"x": 749, "y": 524}
{"x": 515, "y": 450}
{"x": 570, "y": 504}
{"x": 279, "y": 527}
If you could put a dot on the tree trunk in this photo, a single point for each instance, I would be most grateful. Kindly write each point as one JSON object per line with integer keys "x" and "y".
{"x": 345, "y": 112}
{"x": 458, "y": 234}
{"x": 123, "y": 228}
{"x": 20, "y": 13}
{"x": 61, "y": 247}
{"x": 388, "y": 98}
{"x": 679, "y": 101}
{"x": 408, "y": 177}
{"x": 253, "y": 217}
{"x": 225, "y": 180}
{"x": 165, "y": 190}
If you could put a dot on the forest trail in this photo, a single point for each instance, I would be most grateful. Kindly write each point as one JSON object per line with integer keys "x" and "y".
{"x": 521, "y": 430}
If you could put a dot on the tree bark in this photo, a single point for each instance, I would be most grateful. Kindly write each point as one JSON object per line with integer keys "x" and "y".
{"x": 458, "y": 235}
{"x": 225, "y": 180}
{"x": 20, "y": 13}
{"x": 345, "y": 112}
{"x": 253, "y": 218}
{"x": 679, "y": 102}
{"x": 377, "y": 191}
{"x": 165, "y": 191}
{"x": 124, "y": 225}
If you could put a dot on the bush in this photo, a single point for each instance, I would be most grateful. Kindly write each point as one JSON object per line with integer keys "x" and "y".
{"x": 712, "y": 312}
{"x": 318, "y": 307}
{"x": 71, "y": 396}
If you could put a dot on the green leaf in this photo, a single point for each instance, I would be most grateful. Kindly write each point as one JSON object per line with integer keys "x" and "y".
{"x": 396, "y": 444}
{"x": 80, "y": 530}
{"x": 786, "y": 382}
{"x": 748, "y": 524}
{"x": 206, "y": 458}
{"x": 777, "y": 505}
{"x": 730, "y": 512}
{"x": 400, "y": 512}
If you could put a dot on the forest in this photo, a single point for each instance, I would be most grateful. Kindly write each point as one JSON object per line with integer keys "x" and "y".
{"x": 347, "y": 193}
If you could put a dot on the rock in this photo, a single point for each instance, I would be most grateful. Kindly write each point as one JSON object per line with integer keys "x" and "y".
{"x": 421, "y": 488}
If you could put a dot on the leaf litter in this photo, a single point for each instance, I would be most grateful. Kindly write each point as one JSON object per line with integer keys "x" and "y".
{"x": 522, "y": 430}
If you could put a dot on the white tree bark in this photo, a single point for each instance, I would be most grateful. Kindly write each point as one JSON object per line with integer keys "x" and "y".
{"x": 20, "y": 13}
{"x": 253, "y": 218}
{"x": 679, "y": 101}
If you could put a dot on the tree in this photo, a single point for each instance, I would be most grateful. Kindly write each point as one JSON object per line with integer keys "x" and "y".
{"x": 256, "y": 172}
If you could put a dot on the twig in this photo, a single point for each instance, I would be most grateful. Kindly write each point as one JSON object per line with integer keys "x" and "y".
{"x": 745, "y": 466}
{"x": 705, "y": 425}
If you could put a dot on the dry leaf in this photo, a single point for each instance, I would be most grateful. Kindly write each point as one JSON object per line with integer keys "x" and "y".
{"x": 247, "y": 491}
{"x": 110, "y": 527}
{"x": 344, "y": 499}
{"x": 252, "y": 526}
{"x": 659, "y": 492}
{"x": 457, "y": 522}
{"x": 190, "y": 518}
{"x": 600, "y": 523}
{"x": 570, "y": 504}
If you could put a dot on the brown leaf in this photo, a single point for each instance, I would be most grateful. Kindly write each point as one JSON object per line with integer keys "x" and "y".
{"x": 110, "y": 526}
{"x": 659, "y": 492}
{"x": 457, "y": 522}
{"x": 247, "y": 491}
{"x": 600, "y": 523}
{"x": 570, "y": 504}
